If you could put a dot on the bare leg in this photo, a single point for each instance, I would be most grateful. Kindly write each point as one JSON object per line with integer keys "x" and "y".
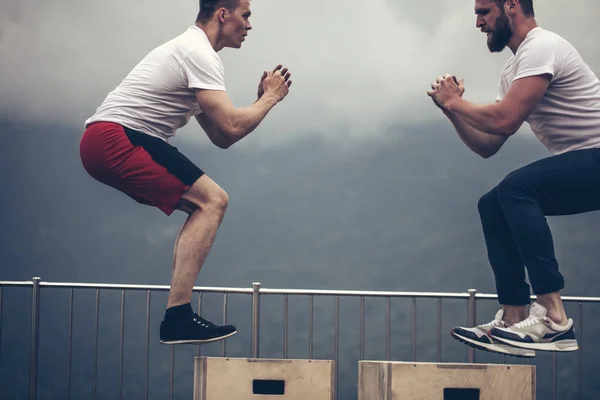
{"x": 189, "y": 210}
{"x": 554, "y": 305}
{"x": 205, "y": 202}
{"x": 514, "y": 314}
{"x": 551, "y": 301}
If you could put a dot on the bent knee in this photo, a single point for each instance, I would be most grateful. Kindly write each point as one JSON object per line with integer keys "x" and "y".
{"x": 206, "y": 195}
{"x": 218, "y": 200}
{"x": 489, "y": 203}
{"x": 511, "y": 186}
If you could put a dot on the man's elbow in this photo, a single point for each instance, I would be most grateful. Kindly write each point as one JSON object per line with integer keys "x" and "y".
{"x": 487, "y": 153}
{"x": 222, "y": 145}
{"x": 493, "y": 146}
{"x": 226, "y": 144}
{"x": 223, "y": 137}
{"x": 232, "y": 129}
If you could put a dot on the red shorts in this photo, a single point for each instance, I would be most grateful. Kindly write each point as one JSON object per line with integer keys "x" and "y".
{"x": 146, "y": 168}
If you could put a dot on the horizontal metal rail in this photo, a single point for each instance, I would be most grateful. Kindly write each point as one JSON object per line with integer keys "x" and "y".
{"x": 266, "y": 291}
{"x": 256, "y": 292}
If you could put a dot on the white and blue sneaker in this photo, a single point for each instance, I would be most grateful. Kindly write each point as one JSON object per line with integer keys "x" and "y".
{"x": 537, "y": 332}
{"x": 479, "y": 338}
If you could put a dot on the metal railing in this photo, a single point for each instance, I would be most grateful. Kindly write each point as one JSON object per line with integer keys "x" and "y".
{"x": 256, "y": 292}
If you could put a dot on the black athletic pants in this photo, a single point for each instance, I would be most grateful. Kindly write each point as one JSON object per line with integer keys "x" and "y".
{"x": 513, "y": 214}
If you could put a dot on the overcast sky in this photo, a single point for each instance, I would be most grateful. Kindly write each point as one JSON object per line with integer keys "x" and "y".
{"x": 357, "y": 66}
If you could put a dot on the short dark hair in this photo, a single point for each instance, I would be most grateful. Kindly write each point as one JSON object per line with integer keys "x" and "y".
{"x": 526, "y": 6}
{"x": 208, "y": 8}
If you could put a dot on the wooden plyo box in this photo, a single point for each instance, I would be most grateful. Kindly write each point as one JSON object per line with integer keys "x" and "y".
{"x": 387, "y": 380}
{"x": 219, "y": 378}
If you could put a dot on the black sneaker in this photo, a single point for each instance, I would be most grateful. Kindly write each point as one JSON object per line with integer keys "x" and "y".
{"x": 193, "y": 330}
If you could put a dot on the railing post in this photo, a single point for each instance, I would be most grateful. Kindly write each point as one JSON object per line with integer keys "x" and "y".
{"x": 255, "y": 317}
{"x": 0, "y": 325}
{"x": 35, "y": 332}
{"x": 472, "y": 319}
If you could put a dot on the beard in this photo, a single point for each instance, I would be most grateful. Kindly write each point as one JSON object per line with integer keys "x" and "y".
{"x": 501, "y": 34}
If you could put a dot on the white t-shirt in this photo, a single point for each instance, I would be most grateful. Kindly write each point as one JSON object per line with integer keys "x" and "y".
{"x": 158, "y": 96}
{"x": 568, "y": 116}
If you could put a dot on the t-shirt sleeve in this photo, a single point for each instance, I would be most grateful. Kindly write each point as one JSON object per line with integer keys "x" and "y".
{"x": 501, "y": 92}
{"x": 537, "y": 57}
{"x": 203, "y": 71}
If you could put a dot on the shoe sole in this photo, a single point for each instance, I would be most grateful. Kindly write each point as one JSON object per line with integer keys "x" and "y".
{"x": 567, "y": 345}
{"x": 197, "y": 341}
{"x": 491, "y": 349}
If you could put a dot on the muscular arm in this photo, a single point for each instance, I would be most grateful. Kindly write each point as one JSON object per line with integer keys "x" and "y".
{"x": 503, "y": 118}
{"x": 484, "y": 144}
{"x": 223, "y": 122}
{"x": 213, "y": 133}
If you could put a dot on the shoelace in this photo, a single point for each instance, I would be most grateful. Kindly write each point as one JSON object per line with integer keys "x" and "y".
{"x": 199, "y": 320}
{"x": 531, "y": 320}
{"x": 493, "y": 323}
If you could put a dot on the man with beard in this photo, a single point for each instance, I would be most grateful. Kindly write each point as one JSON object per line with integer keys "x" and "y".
{"x": 546, "y": 83}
